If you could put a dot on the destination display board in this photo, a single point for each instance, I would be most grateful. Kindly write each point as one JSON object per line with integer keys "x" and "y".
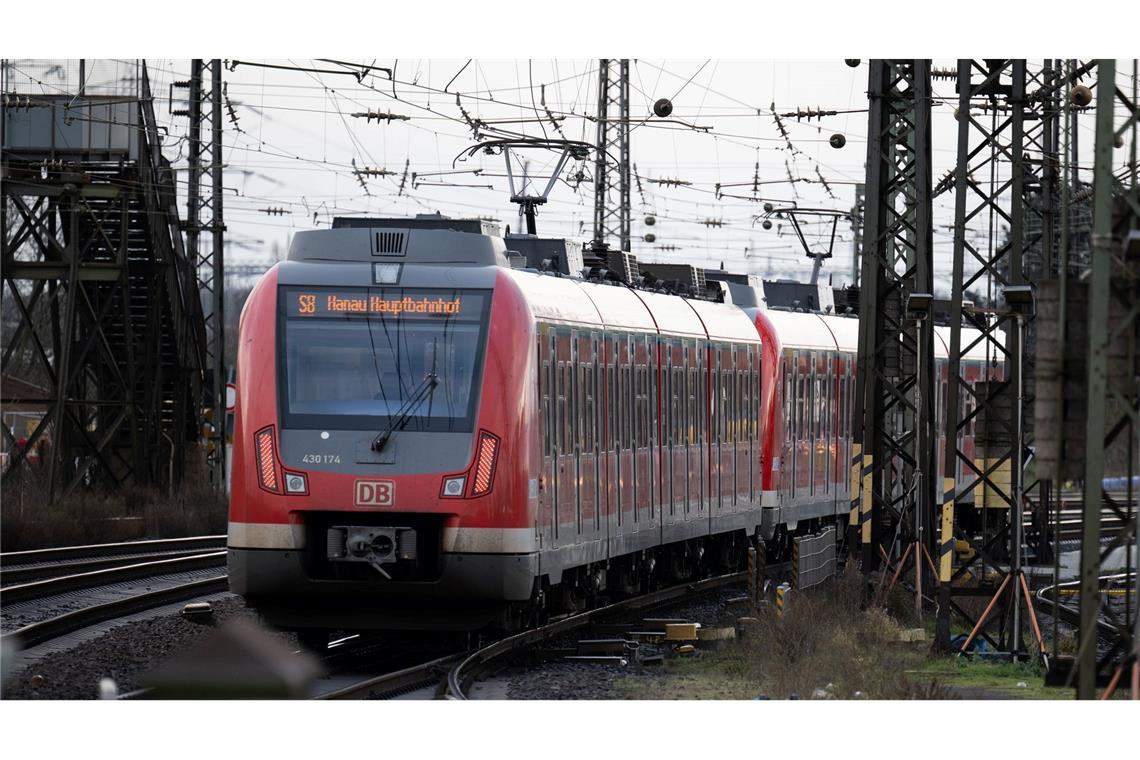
{"x": 383, "y": 302}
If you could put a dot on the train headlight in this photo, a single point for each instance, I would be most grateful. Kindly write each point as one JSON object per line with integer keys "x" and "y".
{"x": 453, "y": 486}
{"x": 295, "y": 483}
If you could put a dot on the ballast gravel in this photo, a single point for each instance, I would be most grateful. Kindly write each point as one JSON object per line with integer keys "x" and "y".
{"x": 123, "y": 654}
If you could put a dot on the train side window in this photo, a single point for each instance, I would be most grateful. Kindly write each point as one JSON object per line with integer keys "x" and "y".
{"x": 544, "y": 397}
{"x": 726, "y": 405}
{"x": 691, "y": 405}
{"x": 645, "y": 405}
{"x": 572, "y": 408}
{"x": 627, "y": 407}
{"x": 715, "y": 401}
{"x": 805, "y": 406}
{"x": 611, "y": 419}
{"x": 670, "y": 404}
{"x": 842, "y": 403}
{"x": 638, "y": 413}
{"x": 745, "y": 404}
{"x": 560, "y": 408}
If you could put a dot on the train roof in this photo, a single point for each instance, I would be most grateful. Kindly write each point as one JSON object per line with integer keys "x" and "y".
{"x": 804, "y": 330}
{"x": 437, "y": 240}
{"x": 564, "y": 299}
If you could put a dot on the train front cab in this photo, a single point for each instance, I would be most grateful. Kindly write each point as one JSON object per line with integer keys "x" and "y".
{"x": 434, "y": 529}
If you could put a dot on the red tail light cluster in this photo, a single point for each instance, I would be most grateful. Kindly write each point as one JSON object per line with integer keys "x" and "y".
{"x": 485, "y": 464}
{"x": 267, "y": 460}
{"x": 481, "y": 477}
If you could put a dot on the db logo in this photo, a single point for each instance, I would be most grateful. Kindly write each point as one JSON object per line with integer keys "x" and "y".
{"x": 375, "y": 493}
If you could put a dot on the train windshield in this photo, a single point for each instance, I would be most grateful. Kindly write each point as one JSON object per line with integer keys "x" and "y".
{"x": 357, "y": 358}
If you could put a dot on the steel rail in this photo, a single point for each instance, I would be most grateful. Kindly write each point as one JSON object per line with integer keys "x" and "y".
{"x": 482, "y": 660}
{"x": 67, "y": 583}
{"x": 390, "y": 684}
{"x": 37, "y": 633}
{"x": 27, "y": 574}
{"x": 64, "y": 553}
{"x": 1070, "y": 614}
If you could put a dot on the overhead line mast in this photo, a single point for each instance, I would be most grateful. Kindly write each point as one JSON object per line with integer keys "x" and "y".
{"x": 611, "y": 163}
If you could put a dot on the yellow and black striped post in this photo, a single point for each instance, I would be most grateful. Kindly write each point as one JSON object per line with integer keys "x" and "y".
{"x": 866, "y": 504}
{"x": 946, "y": 537}
{"x": 783, "y": 592}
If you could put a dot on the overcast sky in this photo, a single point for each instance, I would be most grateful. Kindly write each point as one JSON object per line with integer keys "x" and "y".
{"x": 292, "y": 143}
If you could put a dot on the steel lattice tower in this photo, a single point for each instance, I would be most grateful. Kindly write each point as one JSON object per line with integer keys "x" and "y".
{"x": 204, "y": 213}
{"x": 892, "y": 455}
{"x": 1006, "y": 116}
{"x": 1113, "y": 399}
{"x": 611, "y": 167}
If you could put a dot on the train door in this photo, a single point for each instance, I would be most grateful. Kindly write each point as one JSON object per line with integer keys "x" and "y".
{"x": 752, "y": 415}
{"x": 693, "y": 459}
{"x": 668, "y": 441}
{"x": 608, "y": 437}
{"x": 792, "y": 425}
{"x": 643, "y": 470}
{"x": 713, "y": 427}
{"x": 724, "y": 428}
{"x": 549, "y": 483}
{"x": 624, "y": 408}
{"x": 827, "y": 423}
{"x": 812, "y": 418}
{"x": 699, "y": 408}
{"x": 742, "y": 465}
{"x": 585, "y": 391}
{"x": 565, "y": 469}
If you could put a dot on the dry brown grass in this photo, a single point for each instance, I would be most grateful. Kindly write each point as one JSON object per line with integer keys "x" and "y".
{"x": 835, "y": 638}
{"x": 131, "y": 513}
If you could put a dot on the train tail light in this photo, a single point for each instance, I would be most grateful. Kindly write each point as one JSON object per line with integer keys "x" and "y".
{"x": 267, "y": 460}
{"x": 485, "y": 462}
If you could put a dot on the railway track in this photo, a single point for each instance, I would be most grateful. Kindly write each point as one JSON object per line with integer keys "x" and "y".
{"x": 1062, "y": 600}
{"x": 486, "y": 660}
{"x": 452, "y": 675}
{"x": 26, "y": 566}
{"x": 38, "y": 611}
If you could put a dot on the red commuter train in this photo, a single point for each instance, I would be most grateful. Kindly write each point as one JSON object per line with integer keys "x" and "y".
{"x": 431, "y": 431}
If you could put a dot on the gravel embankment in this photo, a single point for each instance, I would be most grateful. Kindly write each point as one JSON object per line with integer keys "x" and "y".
{"x": 123, "y": 654}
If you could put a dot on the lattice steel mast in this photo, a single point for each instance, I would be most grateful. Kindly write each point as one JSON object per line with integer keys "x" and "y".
{"x": 1005, "y": 116}
{"x": 893, "y": 485}
{"x": 1113, "y": 398}
{"x": 611, "y": 164}
{"x": 204, "y": 213}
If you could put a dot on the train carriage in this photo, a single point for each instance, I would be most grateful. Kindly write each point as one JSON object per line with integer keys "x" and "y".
{"x": 428, "y": 437}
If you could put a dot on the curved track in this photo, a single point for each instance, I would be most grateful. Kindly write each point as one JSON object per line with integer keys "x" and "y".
{"x": 40, "y": 610}
{"x": 485, "y": 660}
{"x": 1049, "y": 598}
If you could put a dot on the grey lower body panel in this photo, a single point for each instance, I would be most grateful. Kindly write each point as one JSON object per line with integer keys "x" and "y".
{"x": 806, "y": 510}
{"x": 555, "y": 561}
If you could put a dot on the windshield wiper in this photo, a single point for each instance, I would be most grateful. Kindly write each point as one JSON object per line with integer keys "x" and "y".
{"x": 421, "y": 393}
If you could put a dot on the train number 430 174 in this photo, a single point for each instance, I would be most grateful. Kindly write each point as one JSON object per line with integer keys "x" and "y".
{"x": 321, "y": 459}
